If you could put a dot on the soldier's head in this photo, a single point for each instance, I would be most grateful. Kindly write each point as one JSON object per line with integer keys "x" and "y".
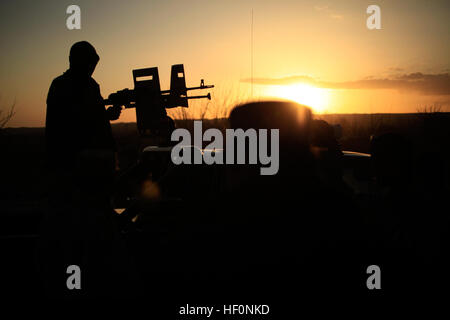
{"x": 83, "y": 58}
{"x": 293, "y": 122}
{"x": 292, "y": 119}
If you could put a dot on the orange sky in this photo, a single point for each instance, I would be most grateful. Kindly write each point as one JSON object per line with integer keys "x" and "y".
{"x": 316, "y": 52}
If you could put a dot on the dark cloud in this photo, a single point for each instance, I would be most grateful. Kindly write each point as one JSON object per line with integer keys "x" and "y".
{"x": 396, "y": 69}
{"x": 427, "y": 84}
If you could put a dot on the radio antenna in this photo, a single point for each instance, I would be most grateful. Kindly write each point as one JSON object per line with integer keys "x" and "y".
{"x": 251, "y": 54}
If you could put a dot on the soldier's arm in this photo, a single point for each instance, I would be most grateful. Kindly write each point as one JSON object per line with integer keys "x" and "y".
{"x": 54, "y": 122}
{"x": 109, "y": 116}
{"x": 113, "y": 113}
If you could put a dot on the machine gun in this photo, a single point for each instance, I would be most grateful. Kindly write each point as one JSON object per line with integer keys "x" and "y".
{"x": 151, "y": 102}
{"x": 154, "y": 126}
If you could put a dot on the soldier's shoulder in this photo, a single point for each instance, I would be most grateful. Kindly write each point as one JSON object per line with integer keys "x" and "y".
{"x": 59, "y": 80}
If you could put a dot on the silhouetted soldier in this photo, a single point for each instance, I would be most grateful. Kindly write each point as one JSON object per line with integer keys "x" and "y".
{"x": 76, "y": 117}
{"x": 79, "y": 228}
{"x": 329, "y": 155}
{"x": 393, "y": 207}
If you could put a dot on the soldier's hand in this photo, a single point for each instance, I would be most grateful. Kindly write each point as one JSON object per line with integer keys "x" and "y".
{"x": 113, "y": 112}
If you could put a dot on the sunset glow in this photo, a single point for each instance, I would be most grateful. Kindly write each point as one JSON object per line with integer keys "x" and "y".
{"x": 321, "y": 54}
{"x": 316, "y": 98}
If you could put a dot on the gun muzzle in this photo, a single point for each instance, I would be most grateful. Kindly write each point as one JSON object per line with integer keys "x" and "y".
{"x": 207, "y": 96}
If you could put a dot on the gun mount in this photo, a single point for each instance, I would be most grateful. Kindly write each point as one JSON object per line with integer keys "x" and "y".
{"x": 151, "y": 102}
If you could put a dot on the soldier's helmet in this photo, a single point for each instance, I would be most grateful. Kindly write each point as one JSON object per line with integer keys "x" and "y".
{"x": 292, "y": 119}
{"x": 83, "y": 58}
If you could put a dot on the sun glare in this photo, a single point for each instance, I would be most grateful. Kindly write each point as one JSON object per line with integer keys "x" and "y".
{"x": 316, "y": 98}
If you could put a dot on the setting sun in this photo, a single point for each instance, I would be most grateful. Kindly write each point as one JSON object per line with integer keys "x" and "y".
{"x": 316, "y": 98}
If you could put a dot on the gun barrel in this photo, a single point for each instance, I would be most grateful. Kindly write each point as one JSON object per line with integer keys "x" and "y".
{"x": 207, "y": 96}
{"x": 126, "y": 97}
{"x": 201, "y": 87}
{"x": 190, "y": 88}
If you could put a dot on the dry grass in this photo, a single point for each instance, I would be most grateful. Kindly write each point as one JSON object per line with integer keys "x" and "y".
{"x": 224, "y": 99}
{"x": 6, "y": 115}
